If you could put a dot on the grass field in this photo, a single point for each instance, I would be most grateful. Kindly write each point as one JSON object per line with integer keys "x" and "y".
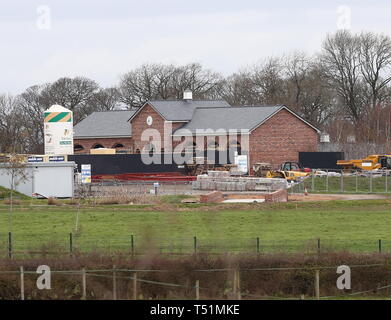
{"x": 348, "y": 184}
{"x": 171, "y": 226}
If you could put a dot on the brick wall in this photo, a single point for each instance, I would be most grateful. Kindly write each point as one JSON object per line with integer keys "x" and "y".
{"x": 277, "y": 196}
{"x": 280, "y": 139}
{"x": 139, "y": 124}
{"x": 215, "y": 196}
{"x": 88, "y": 144}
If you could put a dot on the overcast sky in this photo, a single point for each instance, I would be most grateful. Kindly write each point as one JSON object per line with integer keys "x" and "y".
{"x": 44, "y": 40}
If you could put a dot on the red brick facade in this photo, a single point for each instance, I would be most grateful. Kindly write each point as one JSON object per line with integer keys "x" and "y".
{"x": 139, "y": 124}
{"x": 281, "y": 138}
{"x": 88, "y": 144}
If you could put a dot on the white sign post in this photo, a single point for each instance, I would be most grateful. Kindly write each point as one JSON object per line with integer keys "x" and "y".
{"x": 85, "y": 173}
{"x": 241, "y": 162}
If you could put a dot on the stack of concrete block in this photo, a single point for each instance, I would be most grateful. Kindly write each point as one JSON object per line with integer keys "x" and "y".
{"x": 222, "y": 181}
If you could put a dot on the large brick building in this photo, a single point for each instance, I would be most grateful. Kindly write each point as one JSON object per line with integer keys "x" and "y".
{"x": 265, "y": 133}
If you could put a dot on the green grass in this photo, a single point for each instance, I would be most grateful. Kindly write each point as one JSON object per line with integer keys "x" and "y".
{"x": 5, "y": 193}
{"x": 350, "y": 184}
{"x": 353, "y": 225}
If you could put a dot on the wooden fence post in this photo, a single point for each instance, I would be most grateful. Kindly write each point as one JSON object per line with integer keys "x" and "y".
{"x": 258, "y": 245}
{"x": 197, "y": 287}
{"x": 132, "y": 244}
{"x": 195, "y": 244}
{"x": 317, "y": 290}
{"x": 10, "y": 245}
{"x": 114, "y": 284}
{"x": 71, "y": 244}
{"x": 239, "y": 296}
{"x": 318, "y": 245}
{"x": 234, "y": 284}
{"x": 379, "y": 245}
{"x": 21, "y": 283}
{"x": 84, "y": 284}
{"x": 135, "y": 286}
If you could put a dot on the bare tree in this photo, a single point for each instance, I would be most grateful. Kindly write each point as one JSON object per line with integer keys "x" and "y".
{"x": 72, "y": 93}
{"x": 307, "y": 91}
{"x": 16, "y": 169}
{"x": 204, "y": 83}
{"x": 239, "y": 89}
{"x": 145, "y": 83}
{"x": 342, "y": 67}
{"x": 269, "y": 82}
{"x": 375, "y": 63}
{"x": 159, "y": 81}
{"x": 32, "y": 105}
{"x": 12, "y": 133}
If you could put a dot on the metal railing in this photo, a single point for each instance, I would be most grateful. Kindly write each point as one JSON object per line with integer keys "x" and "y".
{"x": 13, "y": 245}
{"x": 338, "y": 181}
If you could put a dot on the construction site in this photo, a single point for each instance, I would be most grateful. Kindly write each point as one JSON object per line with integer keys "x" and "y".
{"x": 217, "y": 196}
{"x": 223, "y": 161}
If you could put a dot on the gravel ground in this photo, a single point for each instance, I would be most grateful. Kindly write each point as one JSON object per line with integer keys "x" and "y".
{"x": 186, "y": 189}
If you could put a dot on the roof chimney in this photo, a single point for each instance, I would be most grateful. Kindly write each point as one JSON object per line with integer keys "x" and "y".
{"x": 187, "y": 95}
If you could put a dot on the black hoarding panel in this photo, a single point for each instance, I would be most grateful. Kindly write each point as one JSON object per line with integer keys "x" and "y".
{"x": 320, "y": 160}
{"x": 105, "y": 164}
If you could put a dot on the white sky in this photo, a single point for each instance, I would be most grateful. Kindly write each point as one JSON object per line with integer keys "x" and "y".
{"x": 104, "y": 39}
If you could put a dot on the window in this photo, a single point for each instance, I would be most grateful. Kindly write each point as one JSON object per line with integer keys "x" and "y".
{"x": 213, "y": 145}
{"x": 234, "y": 145}
{"x": 78, "y": 148}
{"x": 97, "y": 146}
{"x": 118, "y": 145}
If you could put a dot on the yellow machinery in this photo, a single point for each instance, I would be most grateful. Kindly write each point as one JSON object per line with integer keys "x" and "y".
{"x": 291, "y": 176}
{"x": 371, "y": 162}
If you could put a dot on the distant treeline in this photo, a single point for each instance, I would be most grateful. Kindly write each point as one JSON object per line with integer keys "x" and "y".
{"x": 344, "y": 90}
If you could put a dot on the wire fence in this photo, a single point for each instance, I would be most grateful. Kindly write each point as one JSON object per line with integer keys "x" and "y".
{"x": 320, "y": 180}
{"x": 232, "y": 287}
{"x": 339, "y": 181}
{"x": 17, "y": 245}
{"x": 138, "y": 187}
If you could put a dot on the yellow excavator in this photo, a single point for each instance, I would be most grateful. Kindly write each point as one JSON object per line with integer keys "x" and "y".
{"x": 291, "y": 176}
{"x": 371, "y": 162}
{"x": 291, "y": 171}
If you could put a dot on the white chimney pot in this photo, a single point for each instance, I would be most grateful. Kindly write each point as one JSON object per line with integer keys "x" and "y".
{"x": 187, "y": 95}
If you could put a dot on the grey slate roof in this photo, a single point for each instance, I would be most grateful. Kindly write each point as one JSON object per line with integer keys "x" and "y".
{"x": 105, "y": 124}
{"x": 182, "y": 110}
{"x": 233, "y": 118}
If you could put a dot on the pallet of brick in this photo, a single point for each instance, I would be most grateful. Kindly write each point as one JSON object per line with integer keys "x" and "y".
{"x": 250, "y": 186}
{"x": 241, "y": 186}
{"x": 202, "y": 177}
{"x": 196, "y": 185}
{"x": 222, "y": 186}
{"x": 233, "y": 186}
{"x": 204, "y": 184}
